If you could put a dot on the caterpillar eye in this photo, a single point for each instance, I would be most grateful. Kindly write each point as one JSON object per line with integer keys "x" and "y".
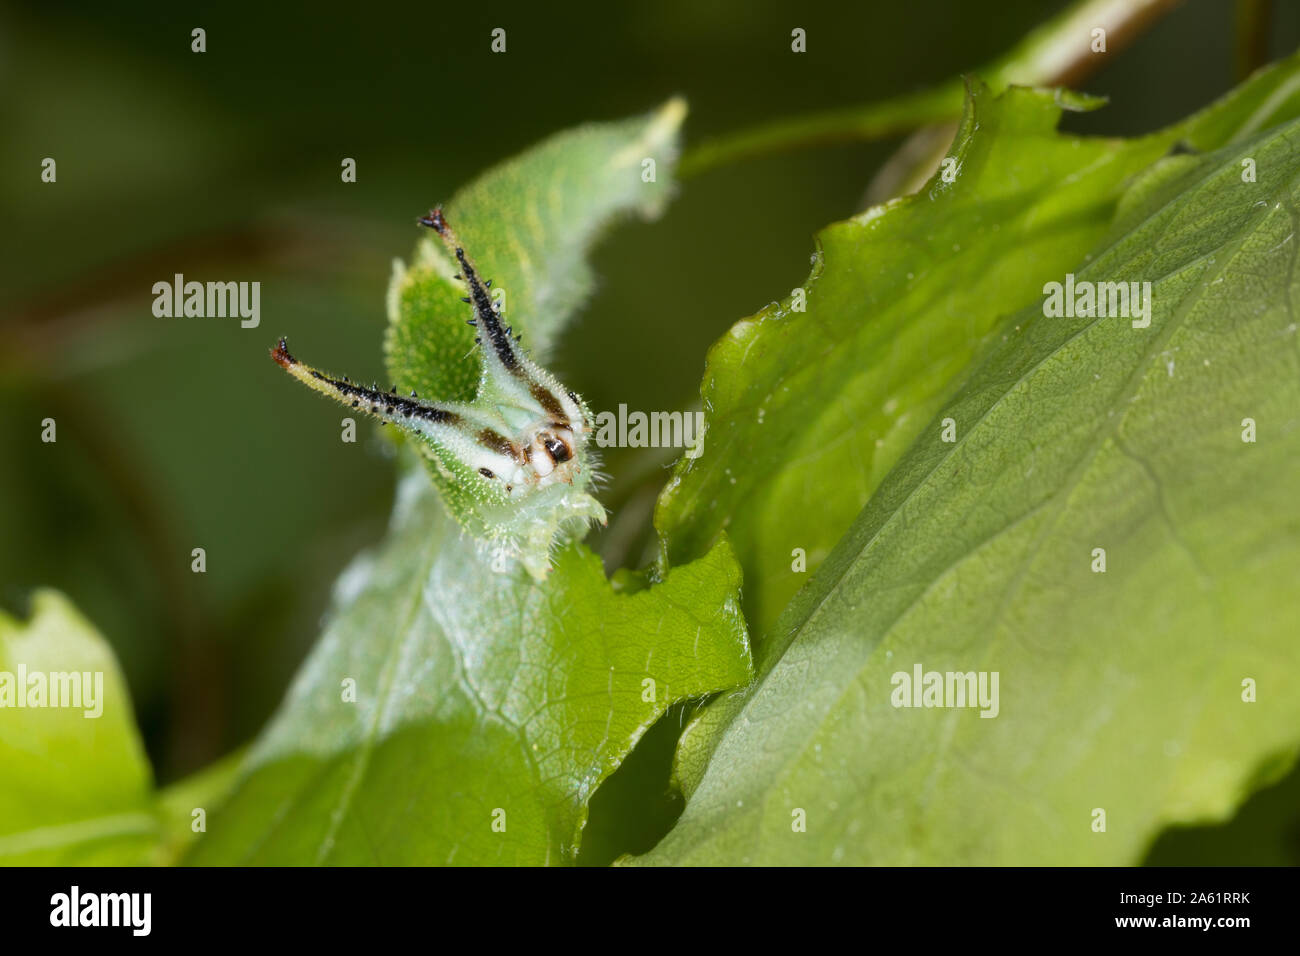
{"x": 550, "y": 449}
{"x": 560, "y": 451}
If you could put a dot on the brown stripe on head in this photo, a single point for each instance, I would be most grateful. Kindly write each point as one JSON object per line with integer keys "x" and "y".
{"x": 498, "y": 443}
{"x": 548, "y": 401}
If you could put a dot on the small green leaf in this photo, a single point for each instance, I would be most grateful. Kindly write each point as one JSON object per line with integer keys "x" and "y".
{"x": 482, "y": 701}
{"x": 1155, "y": 688}
{"x": 76, "y": 788}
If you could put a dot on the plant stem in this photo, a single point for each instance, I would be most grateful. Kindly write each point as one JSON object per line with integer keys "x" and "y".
{"x": 1058, "y": 52}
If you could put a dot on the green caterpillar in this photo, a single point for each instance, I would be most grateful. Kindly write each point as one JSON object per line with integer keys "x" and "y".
{"x": 515, "y": 463}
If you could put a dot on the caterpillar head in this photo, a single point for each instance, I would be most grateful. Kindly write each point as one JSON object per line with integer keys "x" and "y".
{"x": 514, "y": 465}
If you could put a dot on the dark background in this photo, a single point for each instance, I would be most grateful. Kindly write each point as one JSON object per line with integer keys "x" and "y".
{"x": 176, "y": 434}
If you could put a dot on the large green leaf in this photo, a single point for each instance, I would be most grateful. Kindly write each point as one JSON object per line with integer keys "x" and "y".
{"x": 479, "y": 697}
{"x": 1122, "y": 690}
{"x": 807, "y": 411}
{"x": 75, "y": 787}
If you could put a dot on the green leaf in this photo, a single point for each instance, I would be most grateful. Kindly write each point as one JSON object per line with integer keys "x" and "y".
{"x": 1120, "y": 691}
{"x": 475, "y": 694}
{"x": 807, "y": 411}
{"x": 76, "y": 788}
{"x": 206, "y": 791}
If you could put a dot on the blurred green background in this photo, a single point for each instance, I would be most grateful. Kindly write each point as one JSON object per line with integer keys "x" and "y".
{"x": 180, "y": 433}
